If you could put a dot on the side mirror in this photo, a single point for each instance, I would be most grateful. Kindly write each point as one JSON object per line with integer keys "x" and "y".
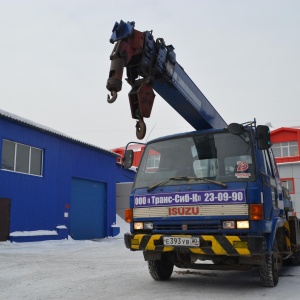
{"x": 235, "y": 128}
{"x": 128, "y": 159}
{"x": 263, "y": 137}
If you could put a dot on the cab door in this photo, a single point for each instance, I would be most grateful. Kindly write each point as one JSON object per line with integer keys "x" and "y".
{"x": 269, "y": 184}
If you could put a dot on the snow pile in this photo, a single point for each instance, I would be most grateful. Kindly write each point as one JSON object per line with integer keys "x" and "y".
{"x": 33, "y": 233}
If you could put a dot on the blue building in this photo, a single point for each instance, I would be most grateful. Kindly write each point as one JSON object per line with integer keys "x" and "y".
{"x": 52, "y": 185}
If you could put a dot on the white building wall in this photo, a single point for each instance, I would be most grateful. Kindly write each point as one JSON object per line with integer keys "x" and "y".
{"x": 292, "y": 170}
{"x": 123, "y": 193}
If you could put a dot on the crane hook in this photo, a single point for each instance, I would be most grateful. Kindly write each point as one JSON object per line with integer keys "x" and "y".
{"x": 113, "y": 98}
{"x": 140, "y": 129}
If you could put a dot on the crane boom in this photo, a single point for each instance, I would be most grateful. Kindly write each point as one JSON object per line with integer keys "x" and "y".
{"x": 151, "y": 65}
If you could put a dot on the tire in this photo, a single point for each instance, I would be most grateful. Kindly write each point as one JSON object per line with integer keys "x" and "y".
{"x": 160, "y": 269}
{"x": 269, "y": 271}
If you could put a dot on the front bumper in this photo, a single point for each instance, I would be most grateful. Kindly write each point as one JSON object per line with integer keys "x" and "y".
{"x": 209, "y": 244}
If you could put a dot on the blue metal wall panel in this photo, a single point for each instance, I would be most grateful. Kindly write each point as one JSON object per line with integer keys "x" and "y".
{"x": 90, "y": 164}
{"x": 122, "y": 175}
{"x": 34, "y": 198}
{"x": 40, "y": 203}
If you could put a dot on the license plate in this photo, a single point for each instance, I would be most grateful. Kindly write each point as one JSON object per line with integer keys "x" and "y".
{"x": 182, "y": 241}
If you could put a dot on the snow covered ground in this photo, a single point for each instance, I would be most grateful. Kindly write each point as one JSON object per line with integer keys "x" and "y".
{"x": 105, "y": 269}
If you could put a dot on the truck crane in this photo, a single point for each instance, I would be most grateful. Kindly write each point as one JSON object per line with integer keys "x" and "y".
{"x": 212, "y": 195}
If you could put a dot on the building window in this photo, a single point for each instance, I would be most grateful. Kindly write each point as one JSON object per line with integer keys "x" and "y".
{"x": 21, "y": 158}
{"x": 289, "y": 184}
{"x": 153, "y": 161}
{"x": 285, "y": 149}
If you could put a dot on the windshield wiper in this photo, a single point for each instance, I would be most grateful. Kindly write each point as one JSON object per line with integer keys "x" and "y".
{"x": 187, "y": 178}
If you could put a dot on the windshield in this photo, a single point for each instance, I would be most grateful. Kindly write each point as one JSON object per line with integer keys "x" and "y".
{"x": 221, "y": 156}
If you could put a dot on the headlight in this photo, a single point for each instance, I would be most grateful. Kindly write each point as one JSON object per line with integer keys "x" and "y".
{"x": 228, "y": 224}
{"x": 141, "y": 225}
{"x": 148, "y": 225}
{"x": 236, "y": 224}
{"x": 138, "y": 225}
{"x": 242, "y": 224}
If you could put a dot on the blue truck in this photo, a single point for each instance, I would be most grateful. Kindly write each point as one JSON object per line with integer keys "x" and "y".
{"x": 210, "y": 199}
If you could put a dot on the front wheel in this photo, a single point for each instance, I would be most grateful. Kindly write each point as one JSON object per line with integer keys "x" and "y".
{"x": 160, "y": 269}
{"x": 269, "y": 271}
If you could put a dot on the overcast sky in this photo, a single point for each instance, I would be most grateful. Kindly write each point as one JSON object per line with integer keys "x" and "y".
{"x": 54, "y": 62}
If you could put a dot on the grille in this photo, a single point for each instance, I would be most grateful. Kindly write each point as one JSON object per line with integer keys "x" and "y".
{"x": 198, "y": 226}
{"x": 204, "y": 210}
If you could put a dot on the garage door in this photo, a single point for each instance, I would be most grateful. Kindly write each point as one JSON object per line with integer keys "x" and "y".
{"x": 87, "y": 209}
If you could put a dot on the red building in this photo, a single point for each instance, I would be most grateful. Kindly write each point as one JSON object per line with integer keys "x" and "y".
{"x": 285, "y": 145}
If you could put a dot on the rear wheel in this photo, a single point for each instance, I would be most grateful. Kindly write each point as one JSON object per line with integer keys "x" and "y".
{"x": 160, "y": 269}
{"x": 269, "y": 271}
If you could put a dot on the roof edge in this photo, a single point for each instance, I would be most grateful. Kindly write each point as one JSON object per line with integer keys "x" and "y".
{"x": 17, "y": 119}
